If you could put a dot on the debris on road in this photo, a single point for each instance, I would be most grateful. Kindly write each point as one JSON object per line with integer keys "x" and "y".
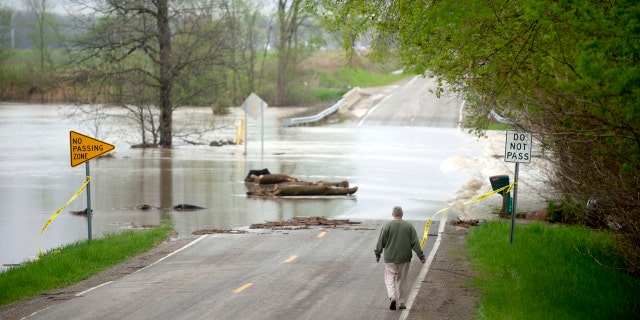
{"x": 212, "y": 231}
{"x": 302, "y": 223}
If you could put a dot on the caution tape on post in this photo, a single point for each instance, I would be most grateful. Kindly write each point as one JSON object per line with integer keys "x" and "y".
{"x": 476, "y": 199}
{"x": 53, "y": 216}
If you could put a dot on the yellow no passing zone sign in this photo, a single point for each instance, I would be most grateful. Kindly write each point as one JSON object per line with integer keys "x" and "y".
{"x": 84, "y": 148}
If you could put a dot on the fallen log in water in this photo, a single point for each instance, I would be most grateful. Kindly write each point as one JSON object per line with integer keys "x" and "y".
{"x": 315, "y": 190}
{"x": 263, "y": 183}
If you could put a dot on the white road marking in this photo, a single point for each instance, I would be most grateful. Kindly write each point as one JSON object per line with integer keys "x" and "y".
{"x": 167, "y": 256}
{"x": 381, "y": 102}
{"x": 425, "y": 268}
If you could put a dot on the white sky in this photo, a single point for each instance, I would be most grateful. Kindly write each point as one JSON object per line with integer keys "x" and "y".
{"x": 54, "y": 5}
{"x": 61, "y": 6}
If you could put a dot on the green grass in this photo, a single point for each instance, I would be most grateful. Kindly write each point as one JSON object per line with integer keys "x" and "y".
{"x": 341, "y": 80}
{"x": 334, "y": 83}
{"x": 327, "y": 73}
{"x": 349, "y": 77}
{"x": 549, "y": 272}
{"x": 362, "y": 78}
{"x": 79, "y": 261}
{"x": 327, "y": 94}
{"x": 500, "y": 126}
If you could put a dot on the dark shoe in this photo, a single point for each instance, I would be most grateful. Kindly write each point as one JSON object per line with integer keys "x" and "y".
{"x": 402, "y": 306}
{"x": 392, "y": 305}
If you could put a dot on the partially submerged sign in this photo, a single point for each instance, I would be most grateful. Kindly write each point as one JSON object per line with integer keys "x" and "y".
{"x": 254, "y": 106}
{"x": 84, "y": 148}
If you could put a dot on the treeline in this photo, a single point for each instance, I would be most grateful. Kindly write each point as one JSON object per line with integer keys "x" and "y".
{"x": 224, "y": 48}
{"x": 19, "y": 29}
{"x": 150, "y": 57}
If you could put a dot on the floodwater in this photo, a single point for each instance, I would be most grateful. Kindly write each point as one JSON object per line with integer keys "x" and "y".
{"x": 390, "y": 165}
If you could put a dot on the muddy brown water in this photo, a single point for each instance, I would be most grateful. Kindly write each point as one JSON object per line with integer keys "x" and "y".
{"x": 390, "y": 165}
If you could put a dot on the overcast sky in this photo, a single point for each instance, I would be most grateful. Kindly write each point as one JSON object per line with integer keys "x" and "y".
{"x": 15, "y": 4}
{"x": 62, "y": 6}
{"x": 54, "y": 5}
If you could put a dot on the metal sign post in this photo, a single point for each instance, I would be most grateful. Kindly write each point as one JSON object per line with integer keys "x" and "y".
{"x": 251, "y": 105}
{"x": 89, "y": 211}
{"x": 517, "y": 149}
{"x": 262, "y": 103}
{"x": 515, "y": 201}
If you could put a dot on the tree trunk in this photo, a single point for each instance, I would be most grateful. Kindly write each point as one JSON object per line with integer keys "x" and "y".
{"x": 287, "y": 29}
{"x": 166, "y": 77}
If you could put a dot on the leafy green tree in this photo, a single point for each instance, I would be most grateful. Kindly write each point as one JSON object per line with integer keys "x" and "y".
{"x": 568, "y": 71}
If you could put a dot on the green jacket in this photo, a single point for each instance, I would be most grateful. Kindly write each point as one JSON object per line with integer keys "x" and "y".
{"x": 397, "y": 239}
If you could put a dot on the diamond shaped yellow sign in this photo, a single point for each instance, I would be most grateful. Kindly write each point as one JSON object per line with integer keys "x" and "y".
{"x": 84, "y": 148}
{"x": 254, "y": 105}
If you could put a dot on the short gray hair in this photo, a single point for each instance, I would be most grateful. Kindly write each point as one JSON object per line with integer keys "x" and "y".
{"x": 397, "y": 211}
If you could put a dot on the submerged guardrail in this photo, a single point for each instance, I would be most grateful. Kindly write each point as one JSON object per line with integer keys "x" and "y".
{"x": 317, "y": 117}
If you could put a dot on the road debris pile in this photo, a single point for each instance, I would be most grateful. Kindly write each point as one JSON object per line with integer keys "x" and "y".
{"x": 213, "y": 230}
{"x": 302, "y": 223}
{"x": 221, "y": 143}
{"x": 465, "y": 223}
{"x": 262, "y": 183}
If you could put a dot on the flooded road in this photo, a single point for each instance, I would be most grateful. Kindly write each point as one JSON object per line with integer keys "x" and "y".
{"x": 407, "y": 166}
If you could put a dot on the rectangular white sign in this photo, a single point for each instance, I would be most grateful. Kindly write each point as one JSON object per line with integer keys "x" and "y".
{"x": 518, "y": 147}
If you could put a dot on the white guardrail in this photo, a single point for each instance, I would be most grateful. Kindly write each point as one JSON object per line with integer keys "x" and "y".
{"x": 325, "y": 113}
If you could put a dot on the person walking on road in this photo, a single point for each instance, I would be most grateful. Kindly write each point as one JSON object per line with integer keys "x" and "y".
{"x": 397, "y": 239}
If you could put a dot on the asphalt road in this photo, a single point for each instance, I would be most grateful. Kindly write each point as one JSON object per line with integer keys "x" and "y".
{"x": 415, "y": 104}
{"x": 299, "y": 274}
{"x": 317, "y": 273}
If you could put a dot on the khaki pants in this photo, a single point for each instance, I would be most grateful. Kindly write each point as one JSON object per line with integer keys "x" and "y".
{"x": 395, "y": 277}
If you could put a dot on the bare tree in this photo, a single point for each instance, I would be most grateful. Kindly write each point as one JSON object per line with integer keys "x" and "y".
{"x": 243, "y": 24}
{"x": 40, "y": 9}
{"x": 6, "y": 29}
{"x": 161, "y": 42}
{"x": 291, "y": 18}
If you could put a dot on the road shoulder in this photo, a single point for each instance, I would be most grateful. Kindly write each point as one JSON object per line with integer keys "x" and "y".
{"x": 27, "y": 307}
{"x": 446, "y": 292}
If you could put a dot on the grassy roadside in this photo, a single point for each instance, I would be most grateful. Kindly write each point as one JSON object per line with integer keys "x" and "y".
{"x": 75, "y": 262}
{"x": 549, "y": 272}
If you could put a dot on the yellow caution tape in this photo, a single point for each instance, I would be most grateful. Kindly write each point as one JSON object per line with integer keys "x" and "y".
{"x": 476, "y": 199}
{"x": 53, "y": 216}
{"x": 426, "y": 227}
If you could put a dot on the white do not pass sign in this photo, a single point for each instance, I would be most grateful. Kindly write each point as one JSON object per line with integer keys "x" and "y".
{"x": 518, "y": 147}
